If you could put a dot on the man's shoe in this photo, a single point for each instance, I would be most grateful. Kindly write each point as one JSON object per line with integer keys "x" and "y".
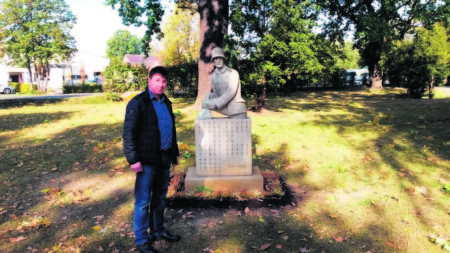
{"x": 146, "y": 247}
{"x": 169, "y": 237}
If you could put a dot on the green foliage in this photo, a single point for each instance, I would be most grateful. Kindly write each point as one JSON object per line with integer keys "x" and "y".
{"x": 36, "y": 33}
{"x": 203, "y": 189}
{"x": 181, "y": 42}
{"x": 183, "y": 79}
{"x": 26, "y": 88}
{"x": 132, "y": 13}
{"x": 446, "y": 188}
{"x": 122, "y": 43}
{"x": 441, "y": 242}
{"x": 376, "y": 23}
{"x": 417, "y": 64}
{"x": 180, "y": 52}
{"x": 348, "y": 58}
{"x": 112, "y": 96}
{"x": 250, "y": 21}
{"x": 16, "y": 86}
{"x": 121, "y": 77}
{"x": 285, "y": 59}
{"x": 82, "y": 88}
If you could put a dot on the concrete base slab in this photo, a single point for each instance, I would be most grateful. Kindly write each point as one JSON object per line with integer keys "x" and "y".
{"x": 234, "y": 184}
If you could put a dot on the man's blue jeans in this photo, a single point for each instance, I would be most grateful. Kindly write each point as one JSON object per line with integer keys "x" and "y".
{"x": 150, "y": 200}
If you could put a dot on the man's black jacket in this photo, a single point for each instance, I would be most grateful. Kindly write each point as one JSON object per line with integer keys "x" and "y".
{"x": 141, "y": 136}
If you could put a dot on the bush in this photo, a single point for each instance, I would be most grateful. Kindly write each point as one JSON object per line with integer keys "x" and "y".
{"x": 82, "y": 88}
{"x": 120, "y": 77}
{"x": 113, "y": 96}
{"x": 25, "y": 88}
{"x": 16, "y": 86}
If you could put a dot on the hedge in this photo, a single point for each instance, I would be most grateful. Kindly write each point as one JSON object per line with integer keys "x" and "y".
{"x": 82, "y": 88}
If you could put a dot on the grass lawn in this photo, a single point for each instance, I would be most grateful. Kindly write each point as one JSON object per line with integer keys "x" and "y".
{"x": 371, "y": 170}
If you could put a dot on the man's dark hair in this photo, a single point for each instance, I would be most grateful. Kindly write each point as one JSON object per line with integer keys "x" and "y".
{"x": 158, "y": 70}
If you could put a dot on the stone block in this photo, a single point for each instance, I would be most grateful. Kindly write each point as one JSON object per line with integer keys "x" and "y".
{"x": 223, "y": 147}
{"x": 235, "y": 184}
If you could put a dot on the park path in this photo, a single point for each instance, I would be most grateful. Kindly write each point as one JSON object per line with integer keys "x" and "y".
{"x": 48, "y": 96}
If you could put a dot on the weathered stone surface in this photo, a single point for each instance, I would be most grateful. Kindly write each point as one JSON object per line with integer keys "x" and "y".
{"x": 223, "y": 147}
{"x": 235, "y": 184}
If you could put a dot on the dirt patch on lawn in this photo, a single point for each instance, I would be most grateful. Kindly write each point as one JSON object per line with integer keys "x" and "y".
{"x": 289, "y": 197}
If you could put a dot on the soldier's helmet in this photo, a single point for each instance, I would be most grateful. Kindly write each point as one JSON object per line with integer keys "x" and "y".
{"x": 217, "y": 52}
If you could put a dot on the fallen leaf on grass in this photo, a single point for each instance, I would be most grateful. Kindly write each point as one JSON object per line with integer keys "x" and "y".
{"x": 339, "y": 239}
{"x": 112, "y": 244}
{"x": 18, "y": 239}
{"x": 280, "y": 232}
{"x": 20, "y": 164}
{"x": 304, "y": 250}
{"x": 278, "y": 246}
{"x": 132, "y": 250}
{"x": 390, "y": 244}
{"x": 98, "y": 218}
{"x": 264, "y": 246}
{"x": 82, "y": 238}
{"x": 100, "y": 248}
{"x": 285, "y": 238}
{"x": 409, "y": 189}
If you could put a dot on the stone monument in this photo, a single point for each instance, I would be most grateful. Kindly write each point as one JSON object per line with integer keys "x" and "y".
{"x": 223, "y": 145}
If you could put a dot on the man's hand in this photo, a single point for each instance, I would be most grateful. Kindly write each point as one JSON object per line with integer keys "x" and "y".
{"x": 208, "y": 105}
{"x": 137, "y": 167}
{"x": 178, "y": 161}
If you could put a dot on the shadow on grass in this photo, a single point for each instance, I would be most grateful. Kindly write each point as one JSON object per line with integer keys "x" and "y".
{"x": 18, "y": 121}
{"x": 20, "y": 102}
{"x": 58, "y": 179}
{"x": 94, "y": 180}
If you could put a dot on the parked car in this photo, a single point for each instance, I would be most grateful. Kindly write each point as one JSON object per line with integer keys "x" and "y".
{"x": 6, "y": 89}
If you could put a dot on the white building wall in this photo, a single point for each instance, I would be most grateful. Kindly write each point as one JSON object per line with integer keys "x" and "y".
{"x": 4, "y": 75}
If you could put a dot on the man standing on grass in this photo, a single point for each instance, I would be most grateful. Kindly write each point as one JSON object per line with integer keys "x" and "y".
{"x": 150, "y": 146}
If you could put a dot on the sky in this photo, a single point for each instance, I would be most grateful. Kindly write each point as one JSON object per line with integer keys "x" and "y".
{"x": 96, "y": 23}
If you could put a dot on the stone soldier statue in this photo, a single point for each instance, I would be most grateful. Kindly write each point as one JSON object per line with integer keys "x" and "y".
{"x": 225, "y": 96}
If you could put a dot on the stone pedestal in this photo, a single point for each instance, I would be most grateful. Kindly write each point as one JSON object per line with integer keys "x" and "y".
{"x": 224, "y": 157}
{"x": 235, "y": 184}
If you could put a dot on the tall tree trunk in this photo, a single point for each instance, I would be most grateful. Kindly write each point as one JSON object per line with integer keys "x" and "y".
{"x": 213, "y": 27}
{"x": 46, "y": 77}
{"x": 30, "y": 73}
{"x": 376, "y": 76}
{"x": 36, "y": 69}
{"x": 431, "y": 89}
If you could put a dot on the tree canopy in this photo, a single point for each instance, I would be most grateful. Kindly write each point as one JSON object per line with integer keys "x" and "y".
{"x": 181, "y": 41}
{"x": 122, "y": 43}
{"x": 35, "y": 33}
{"x": 421, "y": 62}
{"x": 378, "y": 22}
{"x": 136, "y": 13}
{"x": 213, "y": 27}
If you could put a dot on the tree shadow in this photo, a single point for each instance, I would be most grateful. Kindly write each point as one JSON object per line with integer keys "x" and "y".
{"x": 21, "y": 102}
{"x": 10, "y": 122}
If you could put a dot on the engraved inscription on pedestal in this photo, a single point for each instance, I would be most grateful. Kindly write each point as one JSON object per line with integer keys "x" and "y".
{"x": 223, "y": 147}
